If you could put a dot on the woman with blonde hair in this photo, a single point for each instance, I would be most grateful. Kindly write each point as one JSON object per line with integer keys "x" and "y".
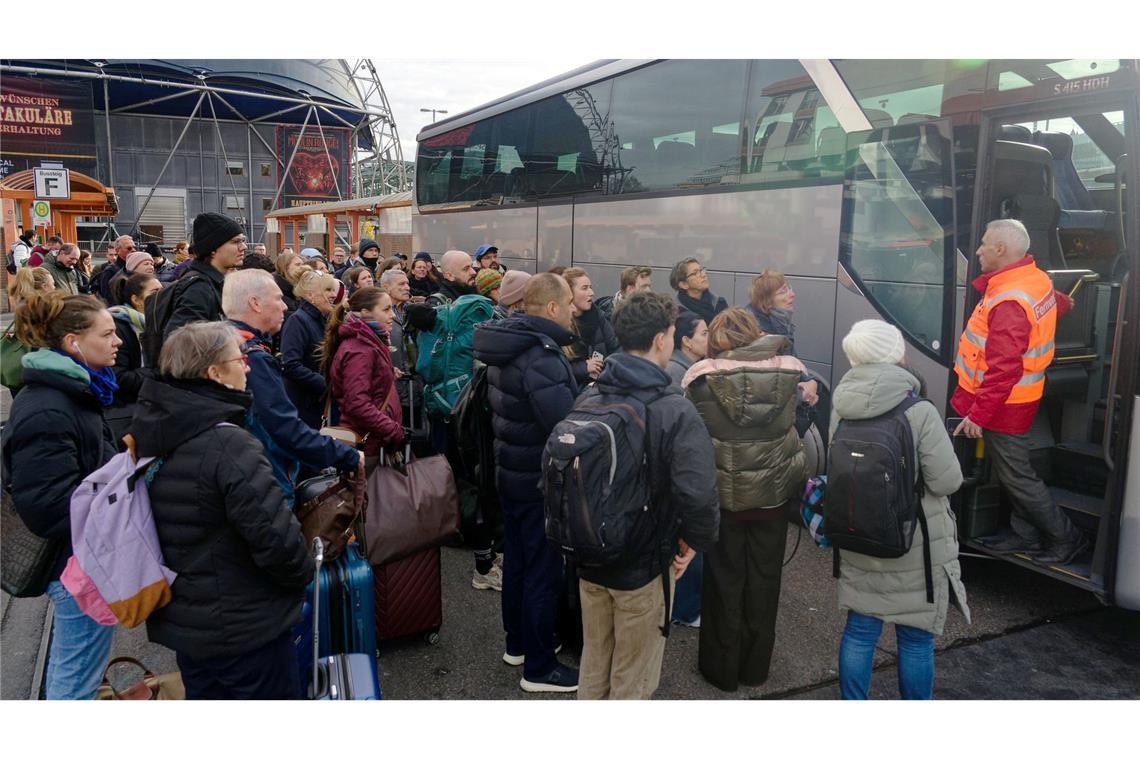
{"x": 746, "y": 394}
{"x": 290, "y": 266}
{"x": 28, "y": 281}
{"x": 594, "y": 335}
{"x": 301, "y": 338}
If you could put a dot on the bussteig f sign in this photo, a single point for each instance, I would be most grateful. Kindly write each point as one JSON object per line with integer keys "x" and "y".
{"x": 52, "y": 184}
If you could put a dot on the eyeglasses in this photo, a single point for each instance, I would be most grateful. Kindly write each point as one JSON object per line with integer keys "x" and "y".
{"x": 784, "y": 290}
{"x": 244, "y": 359}
{"x": 695, "y": 272}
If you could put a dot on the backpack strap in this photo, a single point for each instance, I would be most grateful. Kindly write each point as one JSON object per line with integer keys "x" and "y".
{"x": 662, "y": 522}
{"x": 927, "y": 568}
{"x": 913, "y": 399}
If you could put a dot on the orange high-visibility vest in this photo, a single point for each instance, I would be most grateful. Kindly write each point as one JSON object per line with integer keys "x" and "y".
{"x": 1032, "y": 290}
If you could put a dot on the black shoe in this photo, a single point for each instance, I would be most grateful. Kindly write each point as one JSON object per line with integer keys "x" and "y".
{"x": 561, "y": 679}
{"x": 1009, "y": 544}
{"x": 1061, "y": 554}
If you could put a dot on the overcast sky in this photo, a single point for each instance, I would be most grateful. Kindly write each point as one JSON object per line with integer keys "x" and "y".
{"x": 456, "y": 86}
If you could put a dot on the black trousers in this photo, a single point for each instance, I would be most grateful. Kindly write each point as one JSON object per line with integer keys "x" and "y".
{"x": 739, "y": 596}
{"x": 268, "y": 672}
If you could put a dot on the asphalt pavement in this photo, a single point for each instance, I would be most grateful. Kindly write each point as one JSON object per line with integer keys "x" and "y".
{"x": 1031, "y": 637}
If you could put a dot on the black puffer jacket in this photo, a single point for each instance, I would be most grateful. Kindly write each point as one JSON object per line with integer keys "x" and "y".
{"x": 531, "y": 390}
{"x": 198, "y": 298}
{"x": 222, "y": 523}
{"x": 681, "y": 470}
{"x": 55, "y": 437}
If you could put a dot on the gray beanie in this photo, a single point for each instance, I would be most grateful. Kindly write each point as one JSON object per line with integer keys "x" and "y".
{"x": 873, "y": 341}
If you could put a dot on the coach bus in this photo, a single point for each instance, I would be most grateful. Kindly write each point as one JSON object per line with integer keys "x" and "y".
{"x": 869, "y": 184}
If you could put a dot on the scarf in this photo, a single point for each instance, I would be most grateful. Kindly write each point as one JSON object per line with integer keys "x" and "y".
{"x": 103, "y": 383}
{"x": 705, "y": 307}
{"x": 381, "y": 333}
{"x": 134, "y": 318}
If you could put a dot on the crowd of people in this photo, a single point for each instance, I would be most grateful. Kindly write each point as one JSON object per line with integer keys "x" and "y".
{"x": 253, "y": 357}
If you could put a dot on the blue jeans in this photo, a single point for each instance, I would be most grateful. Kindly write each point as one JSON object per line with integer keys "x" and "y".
{"x": 687, "y": 598}
{"x": 857, "y": 652}
{"x": 80, "y": 648}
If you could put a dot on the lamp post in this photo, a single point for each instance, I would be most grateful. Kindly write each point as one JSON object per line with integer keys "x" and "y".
{"x": 433, "y": 112}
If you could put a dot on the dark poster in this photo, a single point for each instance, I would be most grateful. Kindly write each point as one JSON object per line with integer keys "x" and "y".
{"x": 46, "y": 120}
{"x": 313, "y": 178}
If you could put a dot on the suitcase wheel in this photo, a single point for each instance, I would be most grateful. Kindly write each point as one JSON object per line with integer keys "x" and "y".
{"x": 432, "y": 637}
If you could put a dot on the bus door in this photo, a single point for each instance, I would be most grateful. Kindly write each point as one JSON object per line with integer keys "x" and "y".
{"x": 897, "y": 255}
{"x": 1061, "y": 166}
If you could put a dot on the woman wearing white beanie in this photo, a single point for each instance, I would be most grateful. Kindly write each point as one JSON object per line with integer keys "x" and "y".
{"x": 875, "y": 590}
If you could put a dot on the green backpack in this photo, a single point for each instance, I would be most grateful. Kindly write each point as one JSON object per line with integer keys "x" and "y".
{"x": 446, "y": 357}
{"x": 11, "y": 352}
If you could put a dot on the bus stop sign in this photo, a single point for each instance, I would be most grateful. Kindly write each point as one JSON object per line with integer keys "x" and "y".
{"x": 52, "y": 184}
{"x": 41, "y": 214}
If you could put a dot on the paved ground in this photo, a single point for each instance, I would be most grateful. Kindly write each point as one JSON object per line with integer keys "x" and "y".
{"x": 1031, "y": 638}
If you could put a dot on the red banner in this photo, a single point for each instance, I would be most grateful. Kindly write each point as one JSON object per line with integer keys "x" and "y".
{"x": 321, "y": 166}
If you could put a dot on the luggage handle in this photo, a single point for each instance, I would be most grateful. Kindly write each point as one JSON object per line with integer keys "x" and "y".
{"x": 318, "y": 556}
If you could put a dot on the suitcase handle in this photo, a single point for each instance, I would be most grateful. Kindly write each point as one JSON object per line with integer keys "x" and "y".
{"x": 318, "y": 556}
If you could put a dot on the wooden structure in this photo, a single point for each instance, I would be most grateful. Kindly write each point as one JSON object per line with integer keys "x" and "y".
{"x": 391, "y": 213}
{"x": 88, "y": 198}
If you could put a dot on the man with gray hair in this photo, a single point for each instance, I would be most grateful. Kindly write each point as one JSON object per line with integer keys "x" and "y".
{"x": 253, "y": 304}
{"x": 124, "y": 247}
{"x": 1001, "y": 362}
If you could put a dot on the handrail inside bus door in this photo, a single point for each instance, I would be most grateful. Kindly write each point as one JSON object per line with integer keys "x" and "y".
{"x": 1113, "y": 372}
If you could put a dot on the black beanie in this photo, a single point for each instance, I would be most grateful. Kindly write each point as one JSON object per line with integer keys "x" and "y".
{"x": 211, "y": 232}
{"x": 153, "y": 249}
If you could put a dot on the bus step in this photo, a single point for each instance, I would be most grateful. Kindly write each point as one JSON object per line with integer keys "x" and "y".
{"x": 1077, "y": 573}
{"x": 1082, "y": 509}
{"x": 1079, "y": 467}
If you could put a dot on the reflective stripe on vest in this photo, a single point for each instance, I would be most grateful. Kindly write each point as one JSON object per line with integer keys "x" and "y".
{"x": 1032, "y": 290}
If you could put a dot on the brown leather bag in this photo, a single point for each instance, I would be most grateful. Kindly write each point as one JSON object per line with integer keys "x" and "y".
{"x": 151, "y": 687}
{"x": 343, "y": 433}
{"x": 411, "y": 505}
{"x": 328, "y": 506}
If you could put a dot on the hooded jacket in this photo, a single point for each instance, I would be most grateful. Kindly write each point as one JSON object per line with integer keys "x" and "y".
{"x": 680, "y": 460}
{"x": 106, "y": 274}
{"x": 289, "y": 443}
{"x": 223, "y": 524}
{"x": 301, "y": 339}
{"x": 286, "y": 288}
{"x": 747, "y": 398}
{"x": 894, "y": 590}
{"x": 531, "y": 390}
{"x": 165, "y": 272}
{"x": 55, "y": 437}
{"x": 199, "y": 297}
{"x": 362, "y": 381}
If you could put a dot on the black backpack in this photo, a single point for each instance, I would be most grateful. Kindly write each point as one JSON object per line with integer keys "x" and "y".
{"x": 875, "y": 489}
{"x": 157, "y": 311}
{"x": 596, "y": 485}
{"x": 595, "y": 479}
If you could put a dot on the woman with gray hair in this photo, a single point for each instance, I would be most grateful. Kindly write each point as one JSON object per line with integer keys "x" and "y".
{"x": 301, "y": 339}
{"x": 223, "y": 524}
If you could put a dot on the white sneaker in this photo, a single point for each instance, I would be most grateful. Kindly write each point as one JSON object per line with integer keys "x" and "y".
{"x": 696, "y": 623}
{"x": 492, "y": 579}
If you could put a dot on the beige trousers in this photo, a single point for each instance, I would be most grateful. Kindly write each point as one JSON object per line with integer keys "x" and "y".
{"x": 622, "y": 644}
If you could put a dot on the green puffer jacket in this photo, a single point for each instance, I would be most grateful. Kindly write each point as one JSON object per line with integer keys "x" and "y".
{"x": 747, "y": 399}
{"x": 894, "y": 590}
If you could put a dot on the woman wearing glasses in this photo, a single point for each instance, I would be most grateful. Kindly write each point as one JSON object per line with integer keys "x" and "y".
{"x": 223, "y": 524}
{"x": 691, "y": 281}
{"x": 772, "y": 301}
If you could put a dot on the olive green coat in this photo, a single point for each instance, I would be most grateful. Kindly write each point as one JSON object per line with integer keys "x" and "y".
{"x": 747, "y": 399}
{"x": 894, "y": 590}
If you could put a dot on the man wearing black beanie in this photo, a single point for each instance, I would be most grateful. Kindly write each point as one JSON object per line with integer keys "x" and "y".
{"x": 218, "y": 247}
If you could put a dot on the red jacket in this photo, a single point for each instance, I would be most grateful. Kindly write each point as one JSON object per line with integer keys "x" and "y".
{"x": 1008, "y": 339}
{"x": 363, "y": 383}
